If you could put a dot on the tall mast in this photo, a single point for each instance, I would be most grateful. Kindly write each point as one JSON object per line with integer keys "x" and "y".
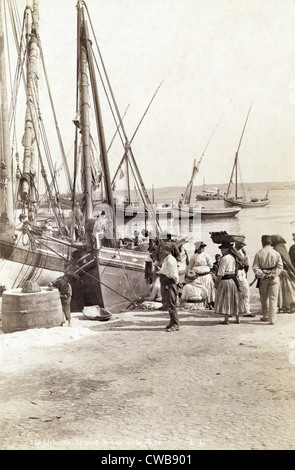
{"x": 84, "y": 113}
{"x": 87, "y": 68}
{"x": 188, "y": 191}
{"x": 100, "y": 131}
{"x": 29, "y": 136}
{"x": 128, "y": 199}
{"x": 6, "y": 193}
{"x": 235, "y": 166}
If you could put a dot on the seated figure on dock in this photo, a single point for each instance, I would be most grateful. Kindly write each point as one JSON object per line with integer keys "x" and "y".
{"x": 194, "y": 293}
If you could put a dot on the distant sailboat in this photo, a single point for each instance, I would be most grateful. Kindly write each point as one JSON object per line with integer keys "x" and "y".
{"x": 186, "y": 210}
{"x": 237, "y": 200}
{"x": 143, "y": 205}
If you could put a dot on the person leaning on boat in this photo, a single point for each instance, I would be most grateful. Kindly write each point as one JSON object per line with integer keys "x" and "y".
{"x": 169, "y": 279}
{"x": 229, "y": 300}
{"x": 202, "y": 259}
{"x": 267, "y": 266}
{"x": 65, "y": 293}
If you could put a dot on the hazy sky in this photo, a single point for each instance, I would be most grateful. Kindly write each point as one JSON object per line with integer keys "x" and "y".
{"x": 208, "y": 52}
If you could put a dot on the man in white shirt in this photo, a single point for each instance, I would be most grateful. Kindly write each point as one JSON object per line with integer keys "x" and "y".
{"x": 99, "y": 228}
{"x": 169, "y": 280}
{"x": 267, "y": 266}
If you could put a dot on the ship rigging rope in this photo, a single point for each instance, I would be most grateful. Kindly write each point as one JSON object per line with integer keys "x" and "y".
{"x": 242, "y": 184}
{"x": 18, "y": 73}
{"x": 51, "y": 249}
{"x": 20, "y": 46}
{"x": 125, "y": 273}
{"x": 54, "y": 115}
{"x": 22, "y": 274}
{"x": 132, "y": 302}
{"x": 118, "y": 125}
{"x": 21, "y": 73}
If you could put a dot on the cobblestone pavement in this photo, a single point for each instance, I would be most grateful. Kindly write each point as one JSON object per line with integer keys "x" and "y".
{"x": 128, "y": 384}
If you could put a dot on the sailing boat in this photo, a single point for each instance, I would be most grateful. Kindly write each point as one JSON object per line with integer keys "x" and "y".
{"x": 114, "y": 276}
{"x": 111, "y": 277}
{"x": 185, "y": 210}
{"x": 241, "y": 201}
{"x": 211, "y": 194}
{"x": 25, "y": 251}
{"x": 140, "y": 208}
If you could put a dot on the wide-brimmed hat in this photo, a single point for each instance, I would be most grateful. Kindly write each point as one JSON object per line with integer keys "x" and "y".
{"x": 190, "y": 275}
{"x": 200, "y": 244}
{"x": 200, "y": 270}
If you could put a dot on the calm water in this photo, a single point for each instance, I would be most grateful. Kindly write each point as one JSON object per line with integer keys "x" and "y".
{"x": 277, "y": 218}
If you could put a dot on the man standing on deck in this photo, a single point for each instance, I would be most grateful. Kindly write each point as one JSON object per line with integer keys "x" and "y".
{"x": 267, "y": 267}
{"x": 169, "y": 280}
{"x": 99, "y": 228}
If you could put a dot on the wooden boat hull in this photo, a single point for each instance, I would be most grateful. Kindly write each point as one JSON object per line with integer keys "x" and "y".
{"x": 208, "y": 197}
{"x": 246, "y": 204}
{"x": 204, "y": 213}
{"x": 138, "y": 211}
{"x": 19, "y": 262}
{"x": 111, "y": 278}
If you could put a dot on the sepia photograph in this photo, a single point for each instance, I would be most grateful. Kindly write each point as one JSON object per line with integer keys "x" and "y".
{"x": 147, "y": 227}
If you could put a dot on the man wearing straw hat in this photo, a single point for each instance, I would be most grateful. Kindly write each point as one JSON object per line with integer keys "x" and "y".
{"x": 194, "y": 293}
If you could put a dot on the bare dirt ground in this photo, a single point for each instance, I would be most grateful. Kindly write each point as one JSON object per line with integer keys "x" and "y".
{"x": 128, "y": 384}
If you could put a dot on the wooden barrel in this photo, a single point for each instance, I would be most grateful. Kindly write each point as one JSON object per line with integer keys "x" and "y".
{"x": 22, "y": 311}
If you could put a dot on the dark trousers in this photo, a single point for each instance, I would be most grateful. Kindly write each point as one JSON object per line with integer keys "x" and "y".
{"x": 169, "y": 300}
{"x": 66, "y": 307}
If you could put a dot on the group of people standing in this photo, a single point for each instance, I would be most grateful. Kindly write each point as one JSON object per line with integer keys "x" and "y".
{"x": 275, "y": 270}
{"x": 223, "y": 285}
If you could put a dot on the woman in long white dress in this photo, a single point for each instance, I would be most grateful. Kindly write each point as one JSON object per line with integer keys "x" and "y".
{"x": 229, "y": 298}
{"x": 201, "y": 263}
